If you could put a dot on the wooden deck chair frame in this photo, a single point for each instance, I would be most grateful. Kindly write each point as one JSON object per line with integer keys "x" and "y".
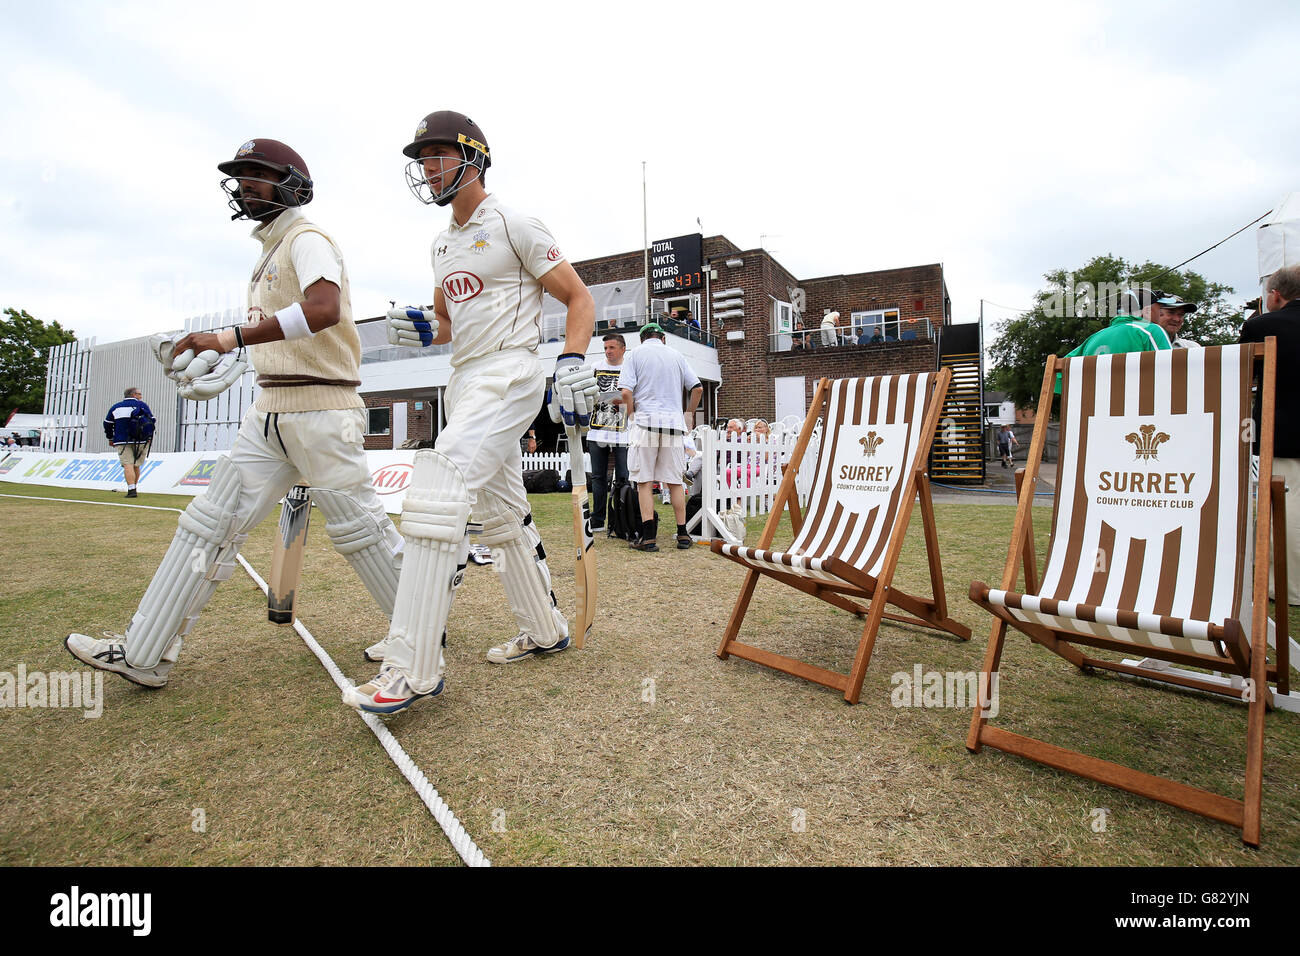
{"x": 930, "y": 612}
{"x": 1242, "y": 655}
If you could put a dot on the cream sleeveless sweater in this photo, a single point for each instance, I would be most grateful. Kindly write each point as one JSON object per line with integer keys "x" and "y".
{"x": 309, "y": 374}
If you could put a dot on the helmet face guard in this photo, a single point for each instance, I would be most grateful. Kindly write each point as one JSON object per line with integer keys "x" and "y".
{"x": 273, "y": 163}
{"x": 446, "y": 128}
{"x": 292, "y": 188}
{"x": 468, "y": 169}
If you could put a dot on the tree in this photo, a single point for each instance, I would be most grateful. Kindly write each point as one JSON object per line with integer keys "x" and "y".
{"x": 1078, "y": 303}
{"x": 25, "y": 342}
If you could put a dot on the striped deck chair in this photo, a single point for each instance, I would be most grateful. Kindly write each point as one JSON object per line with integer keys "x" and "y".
{"x": 1152, "y": 547}
{"x": 869, "y": 473}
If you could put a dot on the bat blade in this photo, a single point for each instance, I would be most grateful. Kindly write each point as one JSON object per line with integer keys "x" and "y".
{"x": 286, "y": 565}
{"x": 584, "y": 541}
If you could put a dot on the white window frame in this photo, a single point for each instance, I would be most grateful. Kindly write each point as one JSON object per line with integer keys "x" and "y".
{"x": 884, "y": 318}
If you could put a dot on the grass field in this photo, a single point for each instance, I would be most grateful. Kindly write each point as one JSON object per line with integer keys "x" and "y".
{"x": 643, "y": 748}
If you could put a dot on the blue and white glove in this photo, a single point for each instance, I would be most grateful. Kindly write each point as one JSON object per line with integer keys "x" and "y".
{"x": 412, "y": 327}
{"x": 574, "y": 395}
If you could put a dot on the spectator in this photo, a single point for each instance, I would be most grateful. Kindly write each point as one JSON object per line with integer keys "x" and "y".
{"x": 1169, "y": 312}
{"x": 1006, "y": 439}
{"x": 693, "y": 328}
{"x": 1132, "y": 330}
{"x": 128, "y": 426}
{"x": 652, "y": 383}
{"x": 608, "y": 436}
{"x": 830, "y": 335}
{"x": 799, "y": 342}
{"x": 1281, "y": 318}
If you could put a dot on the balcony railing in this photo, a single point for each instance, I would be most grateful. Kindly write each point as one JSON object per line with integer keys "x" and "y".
{"x": 553, "y": 327}
{"x": 845, "y": 335}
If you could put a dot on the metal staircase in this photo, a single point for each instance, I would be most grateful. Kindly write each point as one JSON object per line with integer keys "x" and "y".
{"x": 957, "y": 454}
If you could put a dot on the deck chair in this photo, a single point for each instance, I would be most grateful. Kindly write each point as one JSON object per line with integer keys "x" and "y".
{"x": 869, "y": 473}
{"x": 1152, "y": 547}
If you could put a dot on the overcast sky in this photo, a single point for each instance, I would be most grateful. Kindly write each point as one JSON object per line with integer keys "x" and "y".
{"x": 1001, "y": 139}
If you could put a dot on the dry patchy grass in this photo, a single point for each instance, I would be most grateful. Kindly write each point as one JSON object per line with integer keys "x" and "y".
{"x": 565, "y": 760}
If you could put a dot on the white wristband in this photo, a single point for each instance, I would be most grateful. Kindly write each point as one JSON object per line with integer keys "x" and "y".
{"x": 293, "y": 323}
{"x": 226, "y": 340}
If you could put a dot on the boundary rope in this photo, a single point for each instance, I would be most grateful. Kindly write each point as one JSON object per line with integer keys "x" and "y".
{"x": 461, "y": 841}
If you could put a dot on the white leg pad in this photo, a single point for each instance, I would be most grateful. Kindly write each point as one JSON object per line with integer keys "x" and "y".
{"x": 201, "y": 555}
{"x": 374, "y": 550}
{"x": 518, "y": 555}
{"x": 434, "y": 514}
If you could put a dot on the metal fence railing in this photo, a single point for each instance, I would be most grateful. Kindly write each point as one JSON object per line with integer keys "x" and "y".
{"x": 845, "y": 334}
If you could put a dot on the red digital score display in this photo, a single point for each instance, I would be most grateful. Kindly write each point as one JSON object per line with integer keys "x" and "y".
{"x": 691, "y": 280}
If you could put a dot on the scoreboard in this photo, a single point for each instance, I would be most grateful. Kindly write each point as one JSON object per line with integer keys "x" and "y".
{"x": 676, "y": 264}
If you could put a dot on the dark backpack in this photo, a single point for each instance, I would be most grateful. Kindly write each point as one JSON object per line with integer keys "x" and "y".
{"x": 140, "y": 429}
{"x": 617, "y": 519}
{"x": 541, "y": 481}
{"x": 624, "y": 510}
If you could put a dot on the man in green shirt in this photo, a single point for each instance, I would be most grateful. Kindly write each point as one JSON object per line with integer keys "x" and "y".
{"x": 1126, "y": 332}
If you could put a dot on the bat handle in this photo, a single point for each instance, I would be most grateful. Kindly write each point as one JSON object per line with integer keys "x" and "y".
{"x": 577, "y": 467}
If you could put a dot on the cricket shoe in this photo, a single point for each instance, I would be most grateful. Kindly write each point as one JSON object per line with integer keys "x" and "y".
{"x": 110, "y": 655}
{"x": 522, "y": 646}
{"x": 386, "y": 693}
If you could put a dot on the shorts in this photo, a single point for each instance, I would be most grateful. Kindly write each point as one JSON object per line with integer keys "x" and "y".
{"x": 656, "y": 456}
{"x": 133, "y": 455}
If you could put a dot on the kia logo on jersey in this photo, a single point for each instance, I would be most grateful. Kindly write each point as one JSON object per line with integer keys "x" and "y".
{"x": 391, "y": 478}
{"x": 553, "y": 253}
{"x": 461, "y": 286}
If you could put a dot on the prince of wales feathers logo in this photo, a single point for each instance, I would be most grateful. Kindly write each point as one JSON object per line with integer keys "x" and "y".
{"x": 1148, "y": 443}
{"x": 870, "y": 442}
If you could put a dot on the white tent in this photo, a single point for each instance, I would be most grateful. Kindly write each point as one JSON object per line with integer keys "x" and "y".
{"x": 1279, "y": 237}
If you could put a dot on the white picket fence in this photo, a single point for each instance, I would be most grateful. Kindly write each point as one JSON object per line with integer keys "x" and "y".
{"x": 558, "y": 461}
{"x": 742, "y": 474}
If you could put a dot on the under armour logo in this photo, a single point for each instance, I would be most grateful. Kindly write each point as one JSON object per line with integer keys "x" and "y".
{"x": 442, "y": 250}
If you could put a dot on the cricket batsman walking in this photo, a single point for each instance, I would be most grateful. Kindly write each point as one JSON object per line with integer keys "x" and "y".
{"x": 490, "y": 265}
{"x": 305, "y": 428}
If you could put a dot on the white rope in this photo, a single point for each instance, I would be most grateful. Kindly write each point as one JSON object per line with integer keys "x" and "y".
{"x": 461, "y": 841}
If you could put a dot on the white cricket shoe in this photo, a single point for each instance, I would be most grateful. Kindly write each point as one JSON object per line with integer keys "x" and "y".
{"x": 386, "y": 693}
{"x": 110, "y": 655}
{"x": 522, "y": 646}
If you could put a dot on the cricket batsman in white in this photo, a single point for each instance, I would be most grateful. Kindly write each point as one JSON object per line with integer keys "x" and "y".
{"x": 306, "y": 426}
{"x": 490, "y": 265}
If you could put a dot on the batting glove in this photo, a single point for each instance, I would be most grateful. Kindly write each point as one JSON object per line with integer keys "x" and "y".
{"x": 575, "y": 390}
{"x": 412, "y": 327}
{"x": 225, "y": 372}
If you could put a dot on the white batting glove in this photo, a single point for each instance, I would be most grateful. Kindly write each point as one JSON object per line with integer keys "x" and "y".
{"x": 412, "y": 327}
{"x": 575, "y": 391}
{"x": 162, "y": 346}
{"x": 226, "y": 372}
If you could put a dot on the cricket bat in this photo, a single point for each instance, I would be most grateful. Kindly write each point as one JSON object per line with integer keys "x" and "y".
{"x": 286, "y": 566}
{"x": 585, "y": 571}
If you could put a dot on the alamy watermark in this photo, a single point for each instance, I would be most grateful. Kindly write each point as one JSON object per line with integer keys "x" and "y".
{"x": 78, "y": 690}
{"x": 961, "y": 689}
{"x": 130, "y": 910}
{"x": 1100, "y": 300}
